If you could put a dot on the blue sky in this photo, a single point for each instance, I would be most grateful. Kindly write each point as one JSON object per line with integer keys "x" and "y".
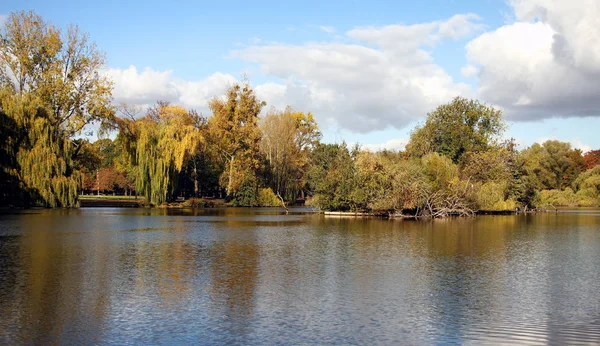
{"x": 368, "y": 70}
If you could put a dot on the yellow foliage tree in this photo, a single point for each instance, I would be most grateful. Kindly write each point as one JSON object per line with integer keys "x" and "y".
{"x": 287, "y": 139}
{"x": 50, "y": 90}
{"x": 233, "y": 133}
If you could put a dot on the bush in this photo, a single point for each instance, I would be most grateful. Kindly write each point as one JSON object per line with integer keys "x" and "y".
{"x": 195, "y": 203}
{"x": 490, "y": 196}
{"x": 267, "y": 198}
{"x": 313, "y": 202}
{"x": 556, "y": 198}
{"x": 508, "y": 204}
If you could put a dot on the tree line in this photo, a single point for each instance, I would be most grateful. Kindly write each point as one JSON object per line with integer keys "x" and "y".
{"x": 456, "y": 163}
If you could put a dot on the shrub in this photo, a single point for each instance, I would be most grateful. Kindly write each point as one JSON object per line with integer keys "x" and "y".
{"x": 195, "y": 203}
{"x": 555, "y": 198}
{"x": 490, "y": 196}
{"x": 246, "y": 195}
{"x": 267, "y": 198}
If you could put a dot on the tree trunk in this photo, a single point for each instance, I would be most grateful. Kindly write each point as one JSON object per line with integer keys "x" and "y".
{"x": 230, "y": 175}
{"x": 283, "y": 203}
{"x": 195, "y": 179}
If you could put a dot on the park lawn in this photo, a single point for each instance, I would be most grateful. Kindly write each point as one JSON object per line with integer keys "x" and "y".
{"x": 111, "y": 197}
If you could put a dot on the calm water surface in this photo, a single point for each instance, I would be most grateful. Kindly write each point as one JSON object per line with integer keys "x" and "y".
{"x": 243, "y": 276}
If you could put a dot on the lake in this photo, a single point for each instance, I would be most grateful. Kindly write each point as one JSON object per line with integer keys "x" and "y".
{"x": 257, "y": 276}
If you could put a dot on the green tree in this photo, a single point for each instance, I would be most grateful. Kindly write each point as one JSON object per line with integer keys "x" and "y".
{"x": 107, "y": 149}
{"x": 203, "y": 173}
{"x": 587, "y": 185}
{"x": 430, "y": 186}
{"x": 456, "y": 128}
{"x": 445, "y": 193}
{"x": 247, "y": 194}
{"x": 497, "y": 176}
{"x": 552, "y": 165}
{"x": 332, "y": 177}
{"x": 387, "y": 182}
{"x": 88, "y": 160}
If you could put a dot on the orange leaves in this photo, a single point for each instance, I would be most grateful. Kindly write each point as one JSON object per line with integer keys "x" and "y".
{"x": 591, "y": 159}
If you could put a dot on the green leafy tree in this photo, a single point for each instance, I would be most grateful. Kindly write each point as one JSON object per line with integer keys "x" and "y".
{"x": 387, "y": 182}
{"x": 332, "y": 177}
{"x": 553, "y": 164}
{"x": 88, "y": 159}
{"x": 107, "y": 149}
{"x": 246, "y": 194}
{"x": 445, "y": 193}
{"x": 587, "y": 185}
{"x": 456, "y": 128}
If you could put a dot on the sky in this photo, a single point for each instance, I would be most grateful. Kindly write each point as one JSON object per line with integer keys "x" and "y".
{"x": 369, "y": 71}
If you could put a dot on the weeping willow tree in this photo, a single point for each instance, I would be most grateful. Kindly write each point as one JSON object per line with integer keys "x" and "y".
{"x": 158, "y": 146}
{"x": 43, "y": 166}
{"x": 49, "y": 91}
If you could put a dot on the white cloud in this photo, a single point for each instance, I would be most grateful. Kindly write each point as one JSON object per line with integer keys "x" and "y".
{"x": 459, "y": 26}
{"x": 410, "y": 38}
{"x": 148, "y": 86}
{"x": 327, "y": 29}
{"x": 578, "y": 144}
{"x": 385, "y": 77}
{"x": 469, "y": 71}
{"x": 546, "y": 64}
{"x": 393, "y": 144}
{"x": 3, "y": 18}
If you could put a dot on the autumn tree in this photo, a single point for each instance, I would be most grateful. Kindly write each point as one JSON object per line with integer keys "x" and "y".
{"x": 234, "y": 135}
{"x": 50, "y": 90}
{"x": 456, "y": 128}
{"x": 287, "y": 139}
{"x": 591, "y": 158}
